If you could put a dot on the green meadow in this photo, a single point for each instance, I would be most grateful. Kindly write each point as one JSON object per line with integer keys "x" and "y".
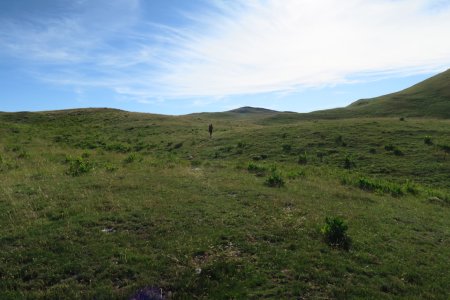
{"x": 101, "y": 203}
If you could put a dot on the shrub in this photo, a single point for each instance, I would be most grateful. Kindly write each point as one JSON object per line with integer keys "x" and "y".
{"x": 274, "y": 180}
{"x": 393, "y": 149}
{"x": 335, "y": 233}
{"x": 79, "y": 166}
{"x": 389, "y": 147}
{"x": 256, "y": 169}
{"x": 130, "y": 158}
{"x": 177, "y": 146}
{"x": 118, "y": 148}
{"x": 303, "y": 159}
{"x": 287, "y": 147}
{"x": 349, "y": 163}
{"x": 428, "y": 141}
{"x": 398, "y": 152}
{"x": 241, "y": 145}
{"x": 23, "y": 154}
{"x": 260, "y": 157}
{"x": 382, "y": 187}
{"x": 402, "y": 119}
{"x": 445, "y": 148}
{"x": 295, "y": 174}
{"x": 411, "y": 188}
{"x": 110, "y": 167}
{"x": 321, "y": 155}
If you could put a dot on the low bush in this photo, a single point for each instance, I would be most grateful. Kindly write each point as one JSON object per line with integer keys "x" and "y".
{"x": 335, "y": 233}
{"x": 295, "y": 174}
{"x": 275, "y": 180}
{"x": 241, "y": 145}
{"x": 121, "y": 148}
{"x": 303, "y": 159}
{"x": 382, "y": 187}
{"x": 79, "y": 166}
{"x": 23, "y": 154}
{"x": 287, "y": 147}
{"x": 349, "y": 163}
{"x": 130, "y": 158}
{"x": 256, "y": 169}
{"x": 389, "y": 147}
{"x": 178, "y": 145}
{"x": 427, "y": 140}
{"x": 445, "y": 148}
{"x": 394, "y": 150}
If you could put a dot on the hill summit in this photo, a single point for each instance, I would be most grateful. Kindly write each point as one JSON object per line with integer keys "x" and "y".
{"x": 252, "y": 110}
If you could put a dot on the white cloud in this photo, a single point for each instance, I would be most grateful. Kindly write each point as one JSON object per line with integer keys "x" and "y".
{"x": 236, "y": 47}
{"x": 277, "y": 45}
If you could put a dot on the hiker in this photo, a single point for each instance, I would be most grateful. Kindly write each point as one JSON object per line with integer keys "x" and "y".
{"x": 210, "y": 129}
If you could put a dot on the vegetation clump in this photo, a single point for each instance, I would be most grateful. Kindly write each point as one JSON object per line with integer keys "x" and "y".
{"x": 275, "y": 179}
{"x": 287, "y": 148}
{"x": 79, "y": 166}
{"x": 257, "y": 169}
{"x": 130, "y": 158}
{"x": 349, "y": 163}
{"x": 335, "y": 233}
{"x": 428, "y": 141}
{"x": 303, "y": 159}
{"x": 393, "y": 149}
{"x": 377, "y": 186}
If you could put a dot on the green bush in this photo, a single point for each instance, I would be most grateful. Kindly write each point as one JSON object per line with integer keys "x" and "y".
{"x": 275, "y": 180}
{"x": 445, "y": 148}
{"x": 382, "y": 187}
{"x": 130, "y": 158}
{"x": 295, "y": 174}
{"x": 389, "y": 147}
{"x": 23, "y": 154}
{"x": 335, "y": 233}
{"x": 287, "y": 147}
{"x": 398, "y": 152}
{"x": 428, "y": 141}
{"x": 178, "y": 145}
{"x": 349, "y": 163}
{"x": 256, "y": 169}
{"x": 303, "y": 159}
{"x": 241, "y": 145}
{"x": 79, "y": 166}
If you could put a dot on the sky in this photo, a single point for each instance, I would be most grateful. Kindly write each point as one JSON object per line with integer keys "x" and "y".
{"x": 178, "y": 57}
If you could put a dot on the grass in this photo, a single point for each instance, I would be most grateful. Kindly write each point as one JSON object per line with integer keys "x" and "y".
{"x": 163, "y": 205}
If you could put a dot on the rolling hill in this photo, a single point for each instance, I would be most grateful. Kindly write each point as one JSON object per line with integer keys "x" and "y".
{"x": 427, "y": 99}
{"x": 106, "y": 204}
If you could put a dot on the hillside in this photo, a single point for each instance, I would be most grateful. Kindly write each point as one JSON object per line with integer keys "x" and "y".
{"x": 427, "y": 99}
{"x": 430, "y": 98}
{"x": 102, "y": 204}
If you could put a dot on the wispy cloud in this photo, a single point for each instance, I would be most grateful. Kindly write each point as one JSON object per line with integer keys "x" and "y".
{"x": 232, "y": 47}
{"x": 275, "y": 45}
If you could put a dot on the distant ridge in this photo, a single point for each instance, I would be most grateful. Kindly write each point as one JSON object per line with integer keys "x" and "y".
{"x": 252, "y": 110}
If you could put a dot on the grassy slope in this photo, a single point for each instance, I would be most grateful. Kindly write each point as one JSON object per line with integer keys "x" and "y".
{"x": 163, "y": 200}
{"x": 429, "y": 99}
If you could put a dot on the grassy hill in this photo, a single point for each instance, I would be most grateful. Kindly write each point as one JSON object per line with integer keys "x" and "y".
{"x": 427, "y": 99}
{"x": 101, "y": 203}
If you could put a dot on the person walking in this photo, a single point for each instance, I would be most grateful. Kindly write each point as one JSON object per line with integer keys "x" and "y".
{"x": 210, "y": 129}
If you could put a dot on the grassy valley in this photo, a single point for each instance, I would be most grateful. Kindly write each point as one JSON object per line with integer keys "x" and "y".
{"x": 102, "y": 203}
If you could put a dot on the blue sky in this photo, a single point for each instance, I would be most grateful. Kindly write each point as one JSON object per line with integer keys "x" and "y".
{"x": 178, "y": 56}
